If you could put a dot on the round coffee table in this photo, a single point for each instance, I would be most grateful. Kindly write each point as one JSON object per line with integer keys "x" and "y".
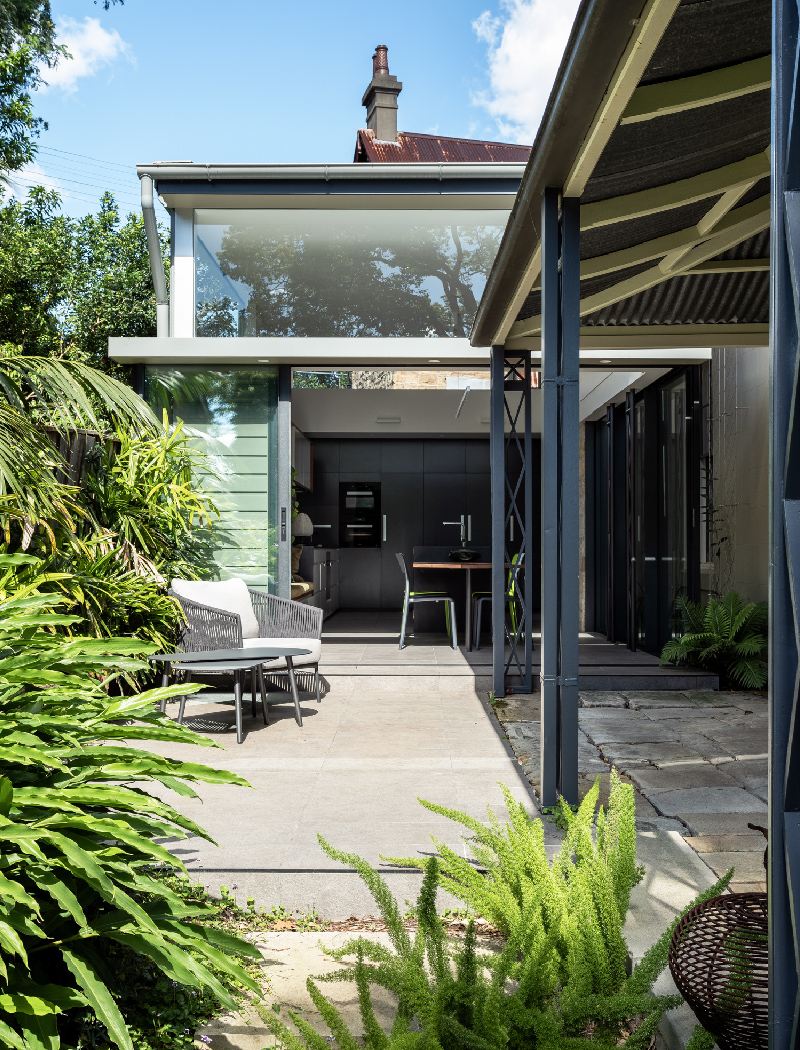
{"x": 237, "y": 661}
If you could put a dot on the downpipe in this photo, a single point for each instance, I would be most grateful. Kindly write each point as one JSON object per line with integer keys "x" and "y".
{"x": 156, "y": 261}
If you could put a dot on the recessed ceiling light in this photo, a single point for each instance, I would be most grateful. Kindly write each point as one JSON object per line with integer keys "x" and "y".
{"x": 606, "y": 361}
{"x": 434, "y": 361}
{"x": 263, "y": 361}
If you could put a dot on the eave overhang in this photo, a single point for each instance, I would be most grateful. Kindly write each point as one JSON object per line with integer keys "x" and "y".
{"x": 659, "y": 123}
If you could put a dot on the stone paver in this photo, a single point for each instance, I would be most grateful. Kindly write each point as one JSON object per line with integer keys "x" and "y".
{"x": 354, "y": 773}
{"x": 697, "y": 760}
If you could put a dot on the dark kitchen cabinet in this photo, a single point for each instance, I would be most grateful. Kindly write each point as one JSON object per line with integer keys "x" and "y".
{"x": 359, "y": 578}
{"x": 478, "y": 507}
{"x": 402, "y": 504}
{"x": 443, "y": 501}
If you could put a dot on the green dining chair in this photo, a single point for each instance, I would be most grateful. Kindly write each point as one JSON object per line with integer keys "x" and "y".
{"x": 414, "y": 597}
{"x": 479, "y": 597}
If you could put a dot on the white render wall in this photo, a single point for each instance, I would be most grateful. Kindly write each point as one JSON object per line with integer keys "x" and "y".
{"x": 740, "y": 435}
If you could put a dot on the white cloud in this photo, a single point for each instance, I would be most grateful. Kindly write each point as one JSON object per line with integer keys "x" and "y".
{"x": 91, "y": 47}
{"x": 525, "y": 42}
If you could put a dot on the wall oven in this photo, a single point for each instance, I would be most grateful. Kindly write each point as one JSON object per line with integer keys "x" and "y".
{"x": 359, "y": 514}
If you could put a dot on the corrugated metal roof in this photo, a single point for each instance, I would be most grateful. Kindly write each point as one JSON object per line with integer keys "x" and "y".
{"x": 736, "y": 298}
{"x": 416, "y": 148}
{"x": 640, "y": 155}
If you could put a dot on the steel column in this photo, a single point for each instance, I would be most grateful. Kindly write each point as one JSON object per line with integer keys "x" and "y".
{"x": 784, "y": 590}
{"x": 569, "y": 560}
{"x": 560, "y": 468}
{"x": 497, "y": 455}
{"x": 551, "y": 332}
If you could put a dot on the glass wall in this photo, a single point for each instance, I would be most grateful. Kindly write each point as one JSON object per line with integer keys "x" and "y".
{"x": 231, "y": 414}
{"x": 342, "y": 272}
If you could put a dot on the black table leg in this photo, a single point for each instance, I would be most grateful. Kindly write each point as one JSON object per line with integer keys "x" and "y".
{"x": 290, "y": 669}
{"x": 237, "y": 693}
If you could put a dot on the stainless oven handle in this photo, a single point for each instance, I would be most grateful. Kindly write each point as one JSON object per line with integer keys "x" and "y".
{"x": 384, "y": 528}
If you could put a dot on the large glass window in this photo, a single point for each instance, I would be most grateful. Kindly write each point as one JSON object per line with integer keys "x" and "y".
{"x": 342, "y": 272}
{"x": 231, "y": 413}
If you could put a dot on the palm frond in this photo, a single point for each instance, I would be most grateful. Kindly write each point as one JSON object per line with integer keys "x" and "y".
{"x": 69, "y": 394}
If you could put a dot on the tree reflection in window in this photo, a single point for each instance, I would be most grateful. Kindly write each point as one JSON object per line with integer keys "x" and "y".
{"x": 342, "y": 272}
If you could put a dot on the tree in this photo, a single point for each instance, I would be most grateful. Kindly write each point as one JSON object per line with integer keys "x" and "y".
{"x": 66, "y": 284}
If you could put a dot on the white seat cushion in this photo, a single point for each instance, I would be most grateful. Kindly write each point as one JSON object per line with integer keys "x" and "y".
{"x": 229, "y": 595}
{"x": 314, "y": 644}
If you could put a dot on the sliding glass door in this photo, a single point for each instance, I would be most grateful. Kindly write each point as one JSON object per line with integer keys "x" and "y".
{"x": 231, "y": 414}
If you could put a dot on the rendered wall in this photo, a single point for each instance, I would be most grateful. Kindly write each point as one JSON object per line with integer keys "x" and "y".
{"x": 740, "y": 473}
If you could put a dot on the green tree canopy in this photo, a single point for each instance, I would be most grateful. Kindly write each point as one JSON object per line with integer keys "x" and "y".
{"x": 68, "y": 284}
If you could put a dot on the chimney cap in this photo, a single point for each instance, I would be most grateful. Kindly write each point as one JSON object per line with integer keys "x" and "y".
{"x": 380, "y": 61}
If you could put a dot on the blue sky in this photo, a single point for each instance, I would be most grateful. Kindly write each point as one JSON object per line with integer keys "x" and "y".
{"x": 256, "y": 80}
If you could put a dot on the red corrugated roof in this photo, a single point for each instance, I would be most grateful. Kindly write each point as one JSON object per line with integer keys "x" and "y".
{"x": 433, "y": 149}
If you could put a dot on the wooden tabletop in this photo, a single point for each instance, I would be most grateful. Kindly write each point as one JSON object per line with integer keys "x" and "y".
{"x": 452, "y": 565}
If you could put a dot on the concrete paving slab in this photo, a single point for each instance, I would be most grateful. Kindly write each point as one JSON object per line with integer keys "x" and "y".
{"x": 705, "y": 800}
{"x": 751, "y": 843}
{"x": 601, "y": 698}
{"x": 722, "y": 823}
{"x": 749, "y": 866}
{"x": 652, "y": 781}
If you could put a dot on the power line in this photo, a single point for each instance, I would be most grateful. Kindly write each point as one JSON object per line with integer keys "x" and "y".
{"x": 76, "y": 182}
{"x": 25, "y": 183}
{"x": 84, "y": 156}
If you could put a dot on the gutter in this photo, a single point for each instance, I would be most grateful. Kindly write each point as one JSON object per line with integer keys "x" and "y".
{"x": 156, "y": 260}
{"x": 600, "y": 34}
{"x": 190, "y": 172}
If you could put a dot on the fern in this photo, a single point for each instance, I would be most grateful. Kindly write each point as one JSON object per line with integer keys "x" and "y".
{"x": 559, "y": 982}
{"x": 727, "y": 636}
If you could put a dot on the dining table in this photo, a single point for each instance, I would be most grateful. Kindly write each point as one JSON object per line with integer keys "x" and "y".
{"x": 467, "y": 567}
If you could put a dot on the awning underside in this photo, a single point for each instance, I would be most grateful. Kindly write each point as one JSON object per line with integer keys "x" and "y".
{"x": 675, "y": 213}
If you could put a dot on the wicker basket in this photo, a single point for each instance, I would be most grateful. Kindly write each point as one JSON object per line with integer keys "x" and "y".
{"x": 718, "y": 958}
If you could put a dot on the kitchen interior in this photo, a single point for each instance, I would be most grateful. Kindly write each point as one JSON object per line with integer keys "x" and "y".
{"x": 385, "y": 471}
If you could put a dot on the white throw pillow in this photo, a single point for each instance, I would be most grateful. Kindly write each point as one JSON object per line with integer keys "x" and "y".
{"x": 229, "y": 595}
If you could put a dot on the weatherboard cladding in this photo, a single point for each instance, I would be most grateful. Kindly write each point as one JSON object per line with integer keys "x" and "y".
{"x": 432, "y": 149}
{"x": 704, "y": 35}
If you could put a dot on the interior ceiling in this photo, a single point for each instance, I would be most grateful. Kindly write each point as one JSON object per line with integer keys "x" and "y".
{"x": 680, "y": 191}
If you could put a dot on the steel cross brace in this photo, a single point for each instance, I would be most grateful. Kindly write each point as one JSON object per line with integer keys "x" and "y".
{"x": 512, "y": 517}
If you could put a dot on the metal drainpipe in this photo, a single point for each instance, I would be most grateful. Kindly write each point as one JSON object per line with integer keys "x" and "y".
{"x": 156, "y": 261}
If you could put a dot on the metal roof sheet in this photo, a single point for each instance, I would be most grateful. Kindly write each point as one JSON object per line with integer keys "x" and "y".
{"x": 417, "y": 148}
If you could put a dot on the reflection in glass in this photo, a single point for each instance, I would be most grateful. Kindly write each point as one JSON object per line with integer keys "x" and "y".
{"x": 337, "y": 272}
{"x": 232, "y": 415}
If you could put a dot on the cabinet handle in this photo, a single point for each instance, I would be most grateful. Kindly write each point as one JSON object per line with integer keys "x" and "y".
{"x": 384, "y": 528}
{"x": 469, "y": 527}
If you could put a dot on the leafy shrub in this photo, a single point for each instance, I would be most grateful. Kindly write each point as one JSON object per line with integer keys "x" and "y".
{"x": 78, "y": 830}
{"x": 528, "y": 997}
{"x": 727, "y": 637}
{"x": 144, "y": 494}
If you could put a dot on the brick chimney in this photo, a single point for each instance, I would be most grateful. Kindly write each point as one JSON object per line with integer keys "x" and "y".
{"x": 380, "y": 98}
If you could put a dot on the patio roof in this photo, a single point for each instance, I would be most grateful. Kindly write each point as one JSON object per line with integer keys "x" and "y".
{"x": 659, "y": 121}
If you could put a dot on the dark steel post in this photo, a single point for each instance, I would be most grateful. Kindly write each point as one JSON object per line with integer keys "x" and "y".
{"x": 569, "y": 564}
{"x": 784, "y": 777}
{"x": 550, "y": 496}
{"x": 527, "y": 594}
{"x": 497, "y": 448}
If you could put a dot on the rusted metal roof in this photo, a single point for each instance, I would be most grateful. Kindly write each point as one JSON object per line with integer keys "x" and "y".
{"x": 414, "y": 148}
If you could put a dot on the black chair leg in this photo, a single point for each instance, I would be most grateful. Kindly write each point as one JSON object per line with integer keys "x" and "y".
{"x": 253, "y": 692}
{"x": 164, "y": 683}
